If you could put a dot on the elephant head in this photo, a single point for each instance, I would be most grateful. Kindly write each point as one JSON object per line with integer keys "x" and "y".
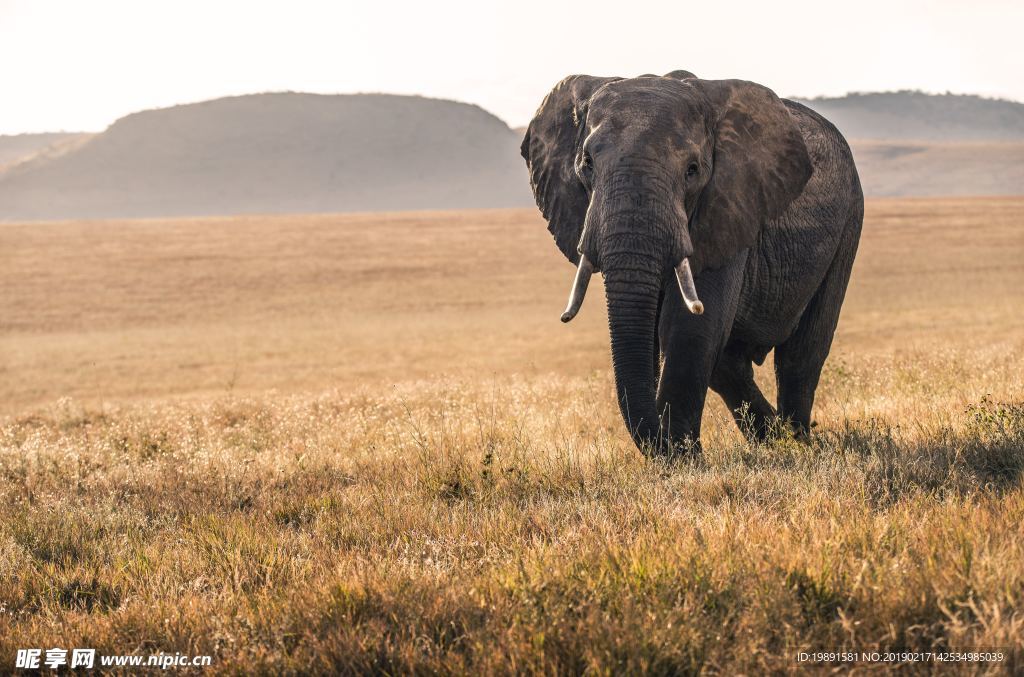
{"x": 653, "y": 178}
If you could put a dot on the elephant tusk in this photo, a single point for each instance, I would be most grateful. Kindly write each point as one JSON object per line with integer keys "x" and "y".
{"x": 579, "y": 289}
{"x": 688, "y": 287}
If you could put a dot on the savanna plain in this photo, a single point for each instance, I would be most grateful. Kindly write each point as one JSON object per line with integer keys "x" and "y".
{"x": 350, "y": 443}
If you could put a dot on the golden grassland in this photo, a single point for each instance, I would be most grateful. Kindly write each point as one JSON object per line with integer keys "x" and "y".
{"x": 365, "y": 442}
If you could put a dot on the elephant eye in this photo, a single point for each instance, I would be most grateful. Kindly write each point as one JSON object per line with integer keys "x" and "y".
{"x": 692, "y": 170}
{"x": 586, "y": 168}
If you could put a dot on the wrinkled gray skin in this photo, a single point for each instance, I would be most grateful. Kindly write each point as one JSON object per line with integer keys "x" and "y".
{"x": 759, "y": 193}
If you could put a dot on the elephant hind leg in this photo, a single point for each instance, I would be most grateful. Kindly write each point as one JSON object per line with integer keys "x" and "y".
{"x": 733, "y": 379}
{"x": 799, "y": 360}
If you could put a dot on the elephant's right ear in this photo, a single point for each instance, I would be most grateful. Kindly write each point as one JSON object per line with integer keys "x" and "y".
{"x": 549, "y": 149}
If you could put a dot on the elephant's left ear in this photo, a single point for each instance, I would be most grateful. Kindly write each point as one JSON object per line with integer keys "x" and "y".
{"x": 760, "y": 166}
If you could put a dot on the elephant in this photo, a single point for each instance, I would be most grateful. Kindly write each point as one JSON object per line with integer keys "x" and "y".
{"x": 724, "y": 221}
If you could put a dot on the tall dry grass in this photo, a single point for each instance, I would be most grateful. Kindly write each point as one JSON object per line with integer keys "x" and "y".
{"x": 507, "y": 526}
{"x": 503, "y": 522}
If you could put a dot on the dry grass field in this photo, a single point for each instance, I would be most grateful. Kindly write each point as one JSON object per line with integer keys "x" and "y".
{"x": 365, "y": 442}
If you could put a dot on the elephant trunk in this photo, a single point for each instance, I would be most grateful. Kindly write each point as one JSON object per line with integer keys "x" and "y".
{"x": 632, "y": 316}
{"x": 643, "y": 239}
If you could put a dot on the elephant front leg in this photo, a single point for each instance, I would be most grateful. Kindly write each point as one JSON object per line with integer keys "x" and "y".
{"x": 733, "y": 379}
{"x": 681, "y": 394}
{"x": 691, "y": 345}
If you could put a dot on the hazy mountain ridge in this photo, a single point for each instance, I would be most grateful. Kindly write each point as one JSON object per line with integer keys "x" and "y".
{"x": 290, "y": 152}
{"x": 897, "y": 169}
{"x": 18, "y": 148}
{"x": 913, "y": 115}
{"x": 281, "y": 152}
{"x": 911, "y": 143}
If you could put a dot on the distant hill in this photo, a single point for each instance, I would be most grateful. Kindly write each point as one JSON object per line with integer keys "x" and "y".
{"x": 288, "y": 152}
{"x": 21, "y": 147}
{"x": 901, "y": 168}
{"x": 282, "y": 152}
{"x": 910, "y": 143}
{"x": 917, "y": 116}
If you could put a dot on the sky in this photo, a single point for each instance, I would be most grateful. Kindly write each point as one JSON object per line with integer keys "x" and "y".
{"x": 79, "y": 65}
